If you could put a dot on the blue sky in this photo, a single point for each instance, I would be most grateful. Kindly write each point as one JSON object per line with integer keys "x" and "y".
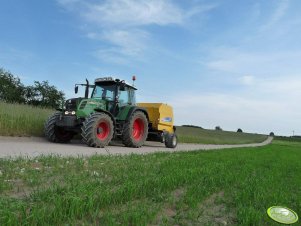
{"x": 234, "y": 64}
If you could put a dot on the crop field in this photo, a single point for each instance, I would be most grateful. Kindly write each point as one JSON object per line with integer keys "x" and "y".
{"x": 225, "y": 187}
{"x": 22, "y": 120}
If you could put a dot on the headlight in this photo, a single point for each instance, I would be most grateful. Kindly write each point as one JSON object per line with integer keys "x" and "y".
{"x": 66, "y": 112}
{"x": 73, "y": 112}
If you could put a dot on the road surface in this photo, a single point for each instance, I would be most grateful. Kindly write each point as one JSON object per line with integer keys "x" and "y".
{"x": 37, "y": 146}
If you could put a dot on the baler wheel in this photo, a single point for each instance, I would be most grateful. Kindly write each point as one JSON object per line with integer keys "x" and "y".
{"x": 135, "y": 130}
{"x": 97, "y": 130}
{"x": 54, "y": 133}
{"x": 171, "y": 140}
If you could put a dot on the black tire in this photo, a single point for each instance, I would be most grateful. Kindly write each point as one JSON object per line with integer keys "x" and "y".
{"x": 55, "y": 133}
{"x": 98, "y": 130}
{"x": 135, "y": 130}
{"x": 171, "y": 140}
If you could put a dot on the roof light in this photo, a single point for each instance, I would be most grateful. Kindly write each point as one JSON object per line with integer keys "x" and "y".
{"x": 104, "y": 79}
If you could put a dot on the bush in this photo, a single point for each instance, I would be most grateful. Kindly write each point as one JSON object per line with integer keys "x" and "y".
{"x": 218, "y": 128}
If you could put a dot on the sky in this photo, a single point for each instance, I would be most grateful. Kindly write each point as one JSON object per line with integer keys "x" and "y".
{"x": 233, "y": 64}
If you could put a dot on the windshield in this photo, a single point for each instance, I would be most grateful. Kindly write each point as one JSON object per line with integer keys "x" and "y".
{"x": 106, "y": 92}
{"x": 125, "y": 96}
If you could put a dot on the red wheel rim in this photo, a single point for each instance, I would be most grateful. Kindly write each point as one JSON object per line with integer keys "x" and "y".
{"x": 138, "y": 129}
{"x": 103, "y": 130}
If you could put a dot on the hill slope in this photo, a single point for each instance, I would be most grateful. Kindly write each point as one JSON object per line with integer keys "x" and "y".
{"x": 204, "y": 136}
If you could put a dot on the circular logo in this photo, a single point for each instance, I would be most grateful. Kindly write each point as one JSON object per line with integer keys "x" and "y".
{"x": 282, "y": 215}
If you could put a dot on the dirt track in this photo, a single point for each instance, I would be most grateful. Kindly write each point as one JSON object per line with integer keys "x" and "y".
{"x": 34, "y": 146}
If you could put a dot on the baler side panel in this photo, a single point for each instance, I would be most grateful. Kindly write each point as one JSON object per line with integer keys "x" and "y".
{"x": 160, "y": 115}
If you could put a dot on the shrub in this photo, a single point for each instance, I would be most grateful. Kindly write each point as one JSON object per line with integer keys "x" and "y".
{"x": 218, "y": 128}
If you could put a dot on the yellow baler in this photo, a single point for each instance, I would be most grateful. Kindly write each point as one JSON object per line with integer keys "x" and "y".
{"x": 161, "y": 121}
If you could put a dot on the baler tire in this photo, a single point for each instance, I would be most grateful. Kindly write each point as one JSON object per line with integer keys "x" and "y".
{"x": 135, "y": 130}
{"x": 97, "y": 130}
{"x": 54, "y": 133}
{"x": 171, "y": 140}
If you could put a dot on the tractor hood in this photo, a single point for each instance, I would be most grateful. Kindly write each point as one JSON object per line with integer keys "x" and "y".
{"x": 86, "y": 106}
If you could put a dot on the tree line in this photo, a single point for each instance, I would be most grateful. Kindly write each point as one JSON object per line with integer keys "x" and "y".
{"x": 12, "y": 90}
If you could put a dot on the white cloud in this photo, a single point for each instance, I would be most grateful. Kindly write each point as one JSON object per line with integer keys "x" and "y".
{"x": 134, "y": 13}
{"x": 131, "y": 42}
{"x": 247, "y": 80}
{"x": 230, "y": 111}
{"x": 240, "y": 61}
{"x": 124, "y": 44}
{"x": 123, "y": 23}
{"x": 277, "y": 15}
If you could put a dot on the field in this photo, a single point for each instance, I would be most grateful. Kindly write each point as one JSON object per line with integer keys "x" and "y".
{"x": 205, "y": 136}
{"x": 225, "y": 187}
{"x": 23, "y": 120}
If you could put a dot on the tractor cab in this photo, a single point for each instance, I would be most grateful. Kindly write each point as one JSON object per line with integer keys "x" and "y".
{"x": 116, "y": 93}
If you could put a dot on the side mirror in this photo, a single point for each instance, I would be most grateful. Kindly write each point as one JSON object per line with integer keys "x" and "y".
{"x": 76, "y": 89}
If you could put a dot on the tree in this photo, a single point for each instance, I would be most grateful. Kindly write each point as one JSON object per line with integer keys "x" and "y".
{"x": 272, "y": 134}
{"x": 11, "y": 88}
{"x": 218, "y": 128}
{"x": 43, "y": 94}
{"x": 239, "y": 130}
{"x": 40, "y": 94}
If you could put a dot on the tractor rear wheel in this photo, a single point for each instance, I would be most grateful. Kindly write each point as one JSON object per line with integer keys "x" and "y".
{"x": 135, "y": 130}
{"x": 171, "y": 140}
{"x": 55, "y": 133}
{"x": 97, "y": 130}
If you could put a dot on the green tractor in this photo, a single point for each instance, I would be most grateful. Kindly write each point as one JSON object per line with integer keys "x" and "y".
{"x": 110, "y": 112}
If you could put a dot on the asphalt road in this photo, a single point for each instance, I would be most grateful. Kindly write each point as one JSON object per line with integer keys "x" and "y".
{"x": 36, "y": 146}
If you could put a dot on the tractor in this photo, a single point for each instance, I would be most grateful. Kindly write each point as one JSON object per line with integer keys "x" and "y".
{"x": 111, "y": 112}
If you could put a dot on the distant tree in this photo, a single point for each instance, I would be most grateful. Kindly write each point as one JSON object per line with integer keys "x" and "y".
{"x": 193, "y": 126}
{"x": 40, "y": 94}
{"x": 239, "y": 130}
{"x": 272, "y": 134}
{"x": 45, "y": 95}
{"x": 11, "y": 88}
{"x": 218, "y": 128}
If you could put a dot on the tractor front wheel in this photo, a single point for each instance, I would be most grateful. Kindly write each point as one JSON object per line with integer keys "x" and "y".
{"x": 135, "y": 130}
{"x": 97, "y": 130}
{"x": 55, "y": 133}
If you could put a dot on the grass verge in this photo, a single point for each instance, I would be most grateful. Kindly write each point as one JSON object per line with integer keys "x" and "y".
{"x": 22, "y": 120}
{"x": 233, "y": 187}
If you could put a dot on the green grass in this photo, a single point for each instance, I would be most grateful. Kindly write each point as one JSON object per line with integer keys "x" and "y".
{"x": 293, "y": 139}
{"x": 22, "y": 120}
{"x": 204, "y": 136}
{"x": 185, "y": 188}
